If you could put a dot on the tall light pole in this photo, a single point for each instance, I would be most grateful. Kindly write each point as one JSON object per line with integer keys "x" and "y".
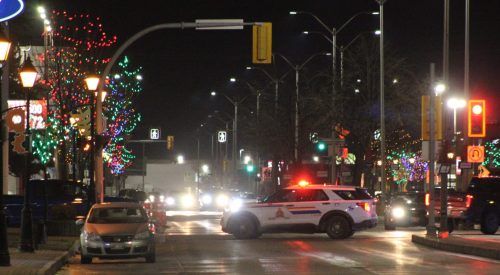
{"x": 297, "y": 68}
{"x": 455, "y": 103}
{"x": 276, "y": 81}
{"x": 333, "y": 32}
{"x": 235, "y": 103}
{"x": 388, "y": 189}
{"x": 92, "y": 82}
{"x": 28, "y": 76}
{"x": 4, "y": 250}
{"x": 344, "y": 48}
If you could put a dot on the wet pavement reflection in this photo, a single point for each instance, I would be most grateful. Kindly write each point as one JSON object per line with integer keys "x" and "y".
{"x": 195, "y": 245}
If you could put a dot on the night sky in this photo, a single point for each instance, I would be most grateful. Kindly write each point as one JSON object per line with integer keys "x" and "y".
{"x": 181, "y": 67}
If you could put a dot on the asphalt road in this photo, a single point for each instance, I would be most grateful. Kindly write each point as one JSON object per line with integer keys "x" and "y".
{"x": 194, "y": 244}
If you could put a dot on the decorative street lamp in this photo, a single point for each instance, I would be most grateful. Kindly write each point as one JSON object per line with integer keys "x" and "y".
{"x": 4, "y": 250}
{"x": 28, "y": 76}
{"x": 92, "y": 82}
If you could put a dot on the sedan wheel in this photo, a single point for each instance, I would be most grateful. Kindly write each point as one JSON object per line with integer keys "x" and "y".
{"x": 85, "y": 260}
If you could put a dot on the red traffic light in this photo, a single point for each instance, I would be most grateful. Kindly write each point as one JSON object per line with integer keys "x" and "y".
{"x": 477, "y": 118}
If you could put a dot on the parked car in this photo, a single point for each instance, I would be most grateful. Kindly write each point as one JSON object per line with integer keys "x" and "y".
{"x": 117, "y": 230}
{"x": 405, "y": 209}
{"x": 483, "y": 203}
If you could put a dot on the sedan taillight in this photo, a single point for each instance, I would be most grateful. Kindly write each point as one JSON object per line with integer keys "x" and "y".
{"x": 468, "y": 200}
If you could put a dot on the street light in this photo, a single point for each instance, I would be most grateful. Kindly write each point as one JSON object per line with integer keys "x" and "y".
{"x": 342, "y": 50}
{"x": 333, "y": 32}
{"x": 4, "y": 250}
{"x": 92, "y": 82}
{"x": 28, "y": 76}
{"x": 276, "y": 81}
{"x": 235, "y": 103}
{"x": 455, "y": 103}
{"x": 297, "y": 69}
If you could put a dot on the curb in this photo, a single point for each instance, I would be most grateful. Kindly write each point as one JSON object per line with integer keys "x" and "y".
{"x": 53, "y": 266}
{"x": 445, "y": 244}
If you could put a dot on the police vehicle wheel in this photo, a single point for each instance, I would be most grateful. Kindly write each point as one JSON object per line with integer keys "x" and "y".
{"x": 489, "y": 223}
{"x": 244, "y": 228}
{"x": 85, "y": 260}
{"x": 338, "y": 227}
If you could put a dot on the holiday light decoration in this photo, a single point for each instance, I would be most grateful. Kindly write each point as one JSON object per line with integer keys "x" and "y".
{"x": 80, "y": 40}
{"x": 492, "y": 154}
{"x": 122, "y": 117}
{"x": 404, "y": 150}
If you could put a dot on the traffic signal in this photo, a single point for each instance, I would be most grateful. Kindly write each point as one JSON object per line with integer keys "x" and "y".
{"x": 262, "y": 43}
{"x": 477, "y": 118}
{"x": 322, "y": 148}
{"x": 170, "y": 142}
{"x": 250, "y": 168}
{"x": 438, "y": 118}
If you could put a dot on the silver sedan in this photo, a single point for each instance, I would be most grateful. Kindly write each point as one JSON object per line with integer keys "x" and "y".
{"x": 117, "y": 230}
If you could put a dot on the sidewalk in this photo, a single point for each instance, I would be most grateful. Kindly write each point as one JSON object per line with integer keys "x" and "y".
{"x": 481, "y": 247}
{"x": 47, "y": 259}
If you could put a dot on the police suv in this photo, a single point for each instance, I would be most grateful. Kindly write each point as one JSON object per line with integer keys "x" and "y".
{"x": 336, "y": 210}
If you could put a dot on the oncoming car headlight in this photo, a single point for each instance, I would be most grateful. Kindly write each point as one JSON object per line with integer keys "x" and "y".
{"x": 170, "y": 201}
{"x": 206, "y": 199}
{"x": 222, "y": 200}
{"x": 187, "y": 201}
{"x": 398, "y": 212}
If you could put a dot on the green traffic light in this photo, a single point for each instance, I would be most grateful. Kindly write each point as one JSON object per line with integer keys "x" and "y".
{"x": 321, "y": 146}
{"x": 250, "y": 168}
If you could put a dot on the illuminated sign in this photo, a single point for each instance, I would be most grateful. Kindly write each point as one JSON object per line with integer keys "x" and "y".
{"x": 154, "y": 133}
{"x": 10, "y": 9}
{"x": 38, "y": 111}
{"x": 475, "y": 154}
{"x": 222, "y": 136}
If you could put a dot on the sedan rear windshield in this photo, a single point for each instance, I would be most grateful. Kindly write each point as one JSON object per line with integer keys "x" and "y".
{"x": 356, "y": 194}
{"x": 118, "y": 215}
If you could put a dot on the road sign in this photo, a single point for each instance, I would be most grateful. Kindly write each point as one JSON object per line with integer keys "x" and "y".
{"x": 438, "y": 125}
{"x": 475, "y": 154}
{"x": 219, "y": 24}
{"x": 10, "y": 9}
{"x": 154, "y": 133}
{"x": 465, "y": 165}
{"x": 222, "y": 136}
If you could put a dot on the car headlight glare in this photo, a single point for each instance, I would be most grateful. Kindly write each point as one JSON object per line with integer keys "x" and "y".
{"x": 222, "y": 200}
{"x": 142, "y": 236}
{"x": 170, "y": 201}
{"x": 398, "y": 212}
{"x": 187, "y": 201}
{"x": 206, "y": 199}
{"x": 235, "y": 205}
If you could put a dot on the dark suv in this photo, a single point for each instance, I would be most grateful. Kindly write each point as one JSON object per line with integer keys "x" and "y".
{"x": 483, "y": 203}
